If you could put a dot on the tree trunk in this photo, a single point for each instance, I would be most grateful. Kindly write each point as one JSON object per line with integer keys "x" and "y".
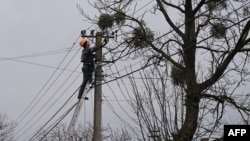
{"x": 192, "y": 100}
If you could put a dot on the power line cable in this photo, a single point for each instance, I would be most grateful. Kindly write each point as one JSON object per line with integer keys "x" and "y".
{"x": 45, "y": 93}
{"x": 109, "y": 105}
{"x": 42, "y": 107}
{"x": 25, "y": 113}
{"x": 119, "y": 102}
{"x": 45, "y": 85}
{"x": 54, "y": 115}
{"x": 47, "y": 82}
{"x": 41, "y": 65}
{"x": 53, "y": 52}
{"x": 22, "y": 116}
{"x": 58, "y": 121}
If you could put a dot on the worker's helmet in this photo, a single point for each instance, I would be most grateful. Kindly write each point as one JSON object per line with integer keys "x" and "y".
{"x": 83, "y": 42}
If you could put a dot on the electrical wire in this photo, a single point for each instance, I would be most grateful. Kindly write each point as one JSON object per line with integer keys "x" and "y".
{"x": 122, "y": 108}
{"x": 54, "y": 115}
{"x": 58, "y": 121}
{"x": 36, "y": 99}
{"x": 22, "y": 116}
{"x": 41, "y": 65}
{"x": 109, "y": 105}
{"x": 54, "y": 102}
{"x": 29, "y": 56}
{"x": 45, "y": 85}
{"x": 53, "y": 52}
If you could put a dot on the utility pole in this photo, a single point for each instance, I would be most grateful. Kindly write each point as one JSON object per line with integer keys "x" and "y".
{"x": 97, "y": 135}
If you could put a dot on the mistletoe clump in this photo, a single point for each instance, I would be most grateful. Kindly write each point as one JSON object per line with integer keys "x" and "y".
{"x": 218, "y": 30}
{"x": 105, "y": 21}
{"x": 141, "y": 36}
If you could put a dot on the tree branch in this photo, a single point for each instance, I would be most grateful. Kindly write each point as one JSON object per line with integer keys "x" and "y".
{"x": 220, "y": 70}
{"x": 202, "y": 2}
{"x": 224, "y": 98}
{"x": 174, "y": 6}
{"x": 166, "y": 56}
{"x": 168, "y": 19}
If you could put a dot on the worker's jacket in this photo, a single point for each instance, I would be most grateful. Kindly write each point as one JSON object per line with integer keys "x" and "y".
{"x": 87, "y": 54}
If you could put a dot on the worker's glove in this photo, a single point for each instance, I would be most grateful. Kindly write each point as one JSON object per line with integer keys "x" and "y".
{"x": 104, "y": 41}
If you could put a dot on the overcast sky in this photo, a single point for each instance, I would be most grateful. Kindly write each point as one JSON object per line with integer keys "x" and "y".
{"x": 35, "y": 27}
{"x": 35, "y": 38}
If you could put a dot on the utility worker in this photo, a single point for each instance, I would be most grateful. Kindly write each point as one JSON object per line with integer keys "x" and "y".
{"x": 87, "y": 59}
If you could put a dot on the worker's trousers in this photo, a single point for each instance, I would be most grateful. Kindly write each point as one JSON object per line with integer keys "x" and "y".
{"x": 87, "y": 69}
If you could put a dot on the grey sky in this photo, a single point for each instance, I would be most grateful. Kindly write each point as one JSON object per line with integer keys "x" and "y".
{"x": 42, "y": 27}
{"x": 29, "y": 27}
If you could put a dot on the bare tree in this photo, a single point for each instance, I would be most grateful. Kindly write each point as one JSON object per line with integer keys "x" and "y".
{"x": 206, "y": 45}
{"x": 6, "y": 128}
{"x": 85, "y": 133}
{"x": 121, "y": 134}
{"x": 81, "y": 133}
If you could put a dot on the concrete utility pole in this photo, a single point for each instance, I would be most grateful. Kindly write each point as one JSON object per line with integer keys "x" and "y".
{"x": 97, "y": 135}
